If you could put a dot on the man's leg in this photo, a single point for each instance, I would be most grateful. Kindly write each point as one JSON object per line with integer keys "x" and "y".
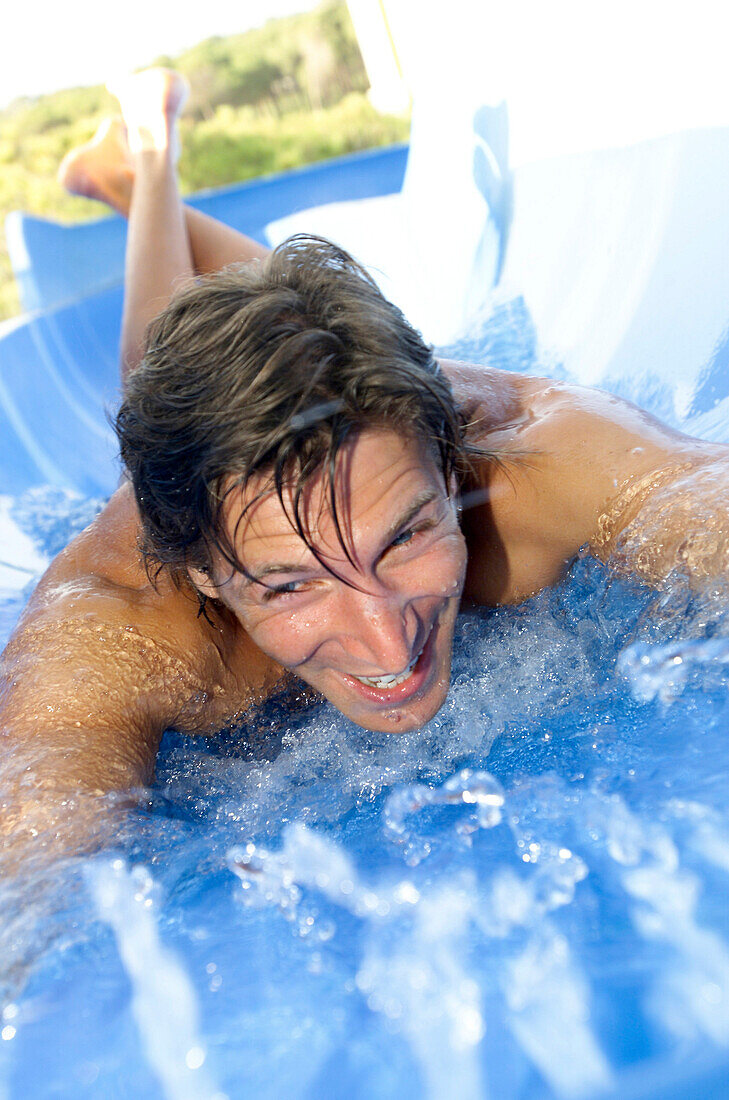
{"x": 103, "y": 170}
{"x": 158, "y": 256}
{"x": 130, "y": 166}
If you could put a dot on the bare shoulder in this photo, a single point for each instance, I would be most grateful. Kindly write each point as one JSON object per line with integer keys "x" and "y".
{"x": 566, "y": 453}
{"x": 586, "y": 444}
{"x": 102, "y": 660}
{"x": 549, "y": 420}
{"x": 488, "y": 398}
{"x": 96, "y": 594}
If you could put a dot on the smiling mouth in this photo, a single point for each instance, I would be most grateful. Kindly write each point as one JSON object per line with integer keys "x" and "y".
{"x": 384, "y": 682}
{"x": 392, "y": 690}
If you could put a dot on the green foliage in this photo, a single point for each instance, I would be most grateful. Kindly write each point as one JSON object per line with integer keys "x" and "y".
{"x": 282, "y": 95}
{"x": 236, "y": 145}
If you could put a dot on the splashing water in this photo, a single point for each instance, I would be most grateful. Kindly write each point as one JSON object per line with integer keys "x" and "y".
{"x": 164, "y": 1004}
{"x": 664, "y": 671}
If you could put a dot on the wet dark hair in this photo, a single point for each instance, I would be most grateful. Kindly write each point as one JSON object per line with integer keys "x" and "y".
{"x": 268, "y": 367}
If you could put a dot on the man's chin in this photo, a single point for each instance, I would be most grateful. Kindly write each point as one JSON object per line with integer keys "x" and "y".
{"x": 404, "y": 707}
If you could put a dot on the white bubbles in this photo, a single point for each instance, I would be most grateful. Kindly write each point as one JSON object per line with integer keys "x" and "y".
{"x": 475, "y": 789}
{"x": 548, "y": 999}
{"x": 499, "y": 896}
{"x": 493, "y": 837}
{"x": 664, "y": 671}
{"x": 418, "y": 979}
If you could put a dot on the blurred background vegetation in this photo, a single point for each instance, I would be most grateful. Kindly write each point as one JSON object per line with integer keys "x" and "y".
{"x": 285, "y": 94}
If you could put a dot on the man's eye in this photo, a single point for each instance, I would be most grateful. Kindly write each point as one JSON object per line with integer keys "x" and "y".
{"x": 411, "y": 533}
{"x": 403, "y": 537}
{"x": 281, "y": 590}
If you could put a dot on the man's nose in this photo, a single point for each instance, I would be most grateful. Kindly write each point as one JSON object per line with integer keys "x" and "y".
{"x": 377, "y": 631}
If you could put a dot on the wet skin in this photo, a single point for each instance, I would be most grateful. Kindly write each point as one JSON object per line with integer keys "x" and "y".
{"x": 334, "y": 620}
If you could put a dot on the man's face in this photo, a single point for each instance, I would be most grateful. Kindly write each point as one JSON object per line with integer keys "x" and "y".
{"x": 374, "y": 635}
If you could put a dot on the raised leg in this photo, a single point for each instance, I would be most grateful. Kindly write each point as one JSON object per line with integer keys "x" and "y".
{"x": 215, "y": 245}
{"x": 103, "y": 169}
{"x": 158, "y": 256}
{"x": 131, "y": 166}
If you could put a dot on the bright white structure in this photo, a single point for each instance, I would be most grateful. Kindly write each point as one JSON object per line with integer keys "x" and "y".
{"x": 388, "y": 90}
{"x": 578, "y": 155}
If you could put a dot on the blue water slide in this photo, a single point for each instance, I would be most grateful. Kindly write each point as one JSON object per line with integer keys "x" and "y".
{"x": 58, "y": 365}
{"x": 58, "y": 380}
{"x": 56, "y": 263}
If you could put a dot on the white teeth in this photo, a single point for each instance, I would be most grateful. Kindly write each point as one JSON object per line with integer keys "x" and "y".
{"x": 389, "y": 681}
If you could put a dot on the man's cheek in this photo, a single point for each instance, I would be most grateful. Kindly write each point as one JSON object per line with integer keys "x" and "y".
{"x": 288, "y": 640}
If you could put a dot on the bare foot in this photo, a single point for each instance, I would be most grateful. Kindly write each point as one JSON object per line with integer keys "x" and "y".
{"x": 102, "y": 169}
{"x": 151, "y": 102}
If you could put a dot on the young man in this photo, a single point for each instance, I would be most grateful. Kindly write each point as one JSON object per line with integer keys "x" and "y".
{"x": 311, "y": 493}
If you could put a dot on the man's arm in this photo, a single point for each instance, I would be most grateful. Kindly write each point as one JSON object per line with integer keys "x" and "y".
{"x": 83, "y": 704}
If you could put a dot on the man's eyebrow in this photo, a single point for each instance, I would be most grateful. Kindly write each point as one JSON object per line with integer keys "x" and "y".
{"x": 255, "y": 576}
{"x": 417, "y": 505}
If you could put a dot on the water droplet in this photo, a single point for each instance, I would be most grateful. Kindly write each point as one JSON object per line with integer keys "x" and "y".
{"x": 194, "y": 1057}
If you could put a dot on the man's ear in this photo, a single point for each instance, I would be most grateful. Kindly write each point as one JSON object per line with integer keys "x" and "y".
{"x": 203, "y": 583}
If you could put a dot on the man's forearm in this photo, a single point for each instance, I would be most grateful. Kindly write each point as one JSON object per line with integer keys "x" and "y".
{"x": 55, "y": 803}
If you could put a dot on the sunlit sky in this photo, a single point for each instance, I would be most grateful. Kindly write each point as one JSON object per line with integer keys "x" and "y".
{"x": 50, "y": 45}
